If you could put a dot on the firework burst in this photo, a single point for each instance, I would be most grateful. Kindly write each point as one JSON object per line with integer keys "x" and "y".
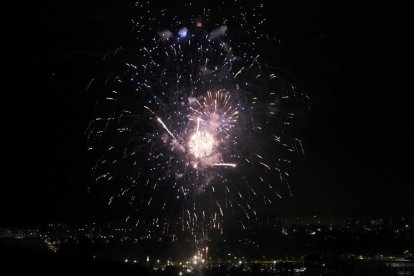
{"x": 194, "y": 128}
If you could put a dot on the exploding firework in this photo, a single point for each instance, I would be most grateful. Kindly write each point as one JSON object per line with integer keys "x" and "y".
{"x": 194, "y": 128}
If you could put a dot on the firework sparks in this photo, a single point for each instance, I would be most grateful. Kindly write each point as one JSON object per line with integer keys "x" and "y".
{"x": 165, "y": 127}
{"x": 221, "y": 138}
{"x": 201, "y": 143}
{"x": 226, "y": 165}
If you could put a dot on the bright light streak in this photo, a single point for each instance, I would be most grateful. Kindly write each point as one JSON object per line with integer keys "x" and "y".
{"x": 225, "y": 165}
{"x": 165, "y": 127}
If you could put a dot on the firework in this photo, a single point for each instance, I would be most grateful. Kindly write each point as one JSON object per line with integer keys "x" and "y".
{"x": 195, "y": 128}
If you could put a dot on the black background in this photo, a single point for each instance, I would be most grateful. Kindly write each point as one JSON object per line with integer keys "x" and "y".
{"x": 357, "y": 137}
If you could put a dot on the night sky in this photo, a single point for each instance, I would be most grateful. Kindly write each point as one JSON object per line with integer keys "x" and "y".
{"x": 357, "y": 136}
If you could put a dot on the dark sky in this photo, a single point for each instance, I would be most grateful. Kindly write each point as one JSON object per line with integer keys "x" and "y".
{"x": 357, "y": 137}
